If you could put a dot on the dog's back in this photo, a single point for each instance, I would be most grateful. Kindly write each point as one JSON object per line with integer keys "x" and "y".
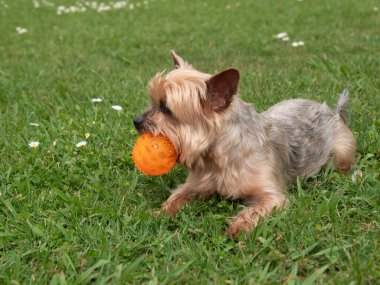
{"x": 312, "y": 131}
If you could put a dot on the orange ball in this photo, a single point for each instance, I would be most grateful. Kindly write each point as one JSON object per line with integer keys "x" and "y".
{"x": 154, "y": 155}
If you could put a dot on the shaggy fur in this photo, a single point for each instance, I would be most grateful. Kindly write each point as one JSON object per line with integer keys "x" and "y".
{"x": 233, "y": 150}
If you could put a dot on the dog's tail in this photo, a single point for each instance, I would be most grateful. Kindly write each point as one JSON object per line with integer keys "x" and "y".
{"x": 342, "y": 104}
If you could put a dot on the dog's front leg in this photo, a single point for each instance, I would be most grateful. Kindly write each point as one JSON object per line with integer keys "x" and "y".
{"x": 260, "y": 206}
{"x": 195, "y": 186}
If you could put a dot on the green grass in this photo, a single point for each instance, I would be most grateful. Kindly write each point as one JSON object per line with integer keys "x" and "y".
{"x": 83, "y": 215}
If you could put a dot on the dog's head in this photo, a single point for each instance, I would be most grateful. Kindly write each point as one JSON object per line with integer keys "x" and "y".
{"x": 188, "y": 107}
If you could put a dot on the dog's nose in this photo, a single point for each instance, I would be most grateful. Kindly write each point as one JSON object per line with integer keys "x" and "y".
{"x": 138, "y": 122}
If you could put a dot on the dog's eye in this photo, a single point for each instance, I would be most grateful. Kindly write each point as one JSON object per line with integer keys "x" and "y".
{"x": 164, "y": 108}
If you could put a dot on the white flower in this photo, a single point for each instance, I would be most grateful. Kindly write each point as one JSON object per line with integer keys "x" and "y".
{"x": 87, "y": 135}
{"x": 357, "y": 175}
{"x": 282, "y": 35}
{"x": 54, "y": 143}
{"x": 375, "y": 9}
{"x": 298, "y": 44}
{"x": 73, "y": 9}
{"x": 117, "y": 107}
{"x": 92, "y": 5}
{"x": 285, "y": 39}
{"x": 34, "y": 124}
{"x": 103, "y": 8}
{"x": 120, "y": 4}
{"x": 34, "y": 144}
{"x": 80, "y": 144}
{"x": 60, "y": 10}
{"x": 96, "y": 100}
{"x": 21, "y": 31}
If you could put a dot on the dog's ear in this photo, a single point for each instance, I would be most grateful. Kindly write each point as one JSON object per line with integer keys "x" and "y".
{"x": 221, "y": 88}
{"x": 178, "y": 61}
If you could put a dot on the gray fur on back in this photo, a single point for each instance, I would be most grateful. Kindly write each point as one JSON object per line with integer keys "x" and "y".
{"x": 306, "y": 126}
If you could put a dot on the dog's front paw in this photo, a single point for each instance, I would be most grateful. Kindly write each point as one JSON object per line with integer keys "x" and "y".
{"x": 170, "y": 208}
{"x": 245, "y": 223}
{"x": 157, "y": 213}
{"x": 163, "y": 211}
{"x": 238, "y": 227}
{"x": 174, "y": 203}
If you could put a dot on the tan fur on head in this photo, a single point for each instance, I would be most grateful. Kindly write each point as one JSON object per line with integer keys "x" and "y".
{"x": 182, "y": 91}
{"x": 234, "y": 151}
{"x": 192, "y": 120}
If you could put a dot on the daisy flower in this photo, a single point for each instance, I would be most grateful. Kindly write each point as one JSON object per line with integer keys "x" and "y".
{"x": 21, "y": 31}
{"x": 96, "y": 100}
{"x": 103, "y": 8}
{"x": 282, "y": 35}
{"x": 357, "y": 175}
{"x": 80, "y": 144}
{"x": 34, "y": 144}
{"x": 120, "y": 4}
{"x": 60, "y": 10}
{"x": 298, "y": 44}
{"x": 117, "y": 107}
{"x": 87, "y": 135}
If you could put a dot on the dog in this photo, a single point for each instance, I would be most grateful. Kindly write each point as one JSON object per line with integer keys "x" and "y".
{"x": 232, "y": 150}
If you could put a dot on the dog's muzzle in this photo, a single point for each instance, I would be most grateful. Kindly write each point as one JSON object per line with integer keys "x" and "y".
{"x": 140, "y": 121}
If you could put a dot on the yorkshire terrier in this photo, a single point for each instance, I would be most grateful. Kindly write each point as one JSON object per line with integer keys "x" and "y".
{"x": 236, "y": 152}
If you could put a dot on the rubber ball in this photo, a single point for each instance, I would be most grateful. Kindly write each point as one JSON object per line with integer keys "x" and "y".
{"x": 154, "y": 155}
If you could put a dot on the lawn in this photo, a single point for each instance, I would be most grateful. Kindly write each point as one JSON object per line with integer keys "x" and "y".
{"x": 82, "y": 214}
